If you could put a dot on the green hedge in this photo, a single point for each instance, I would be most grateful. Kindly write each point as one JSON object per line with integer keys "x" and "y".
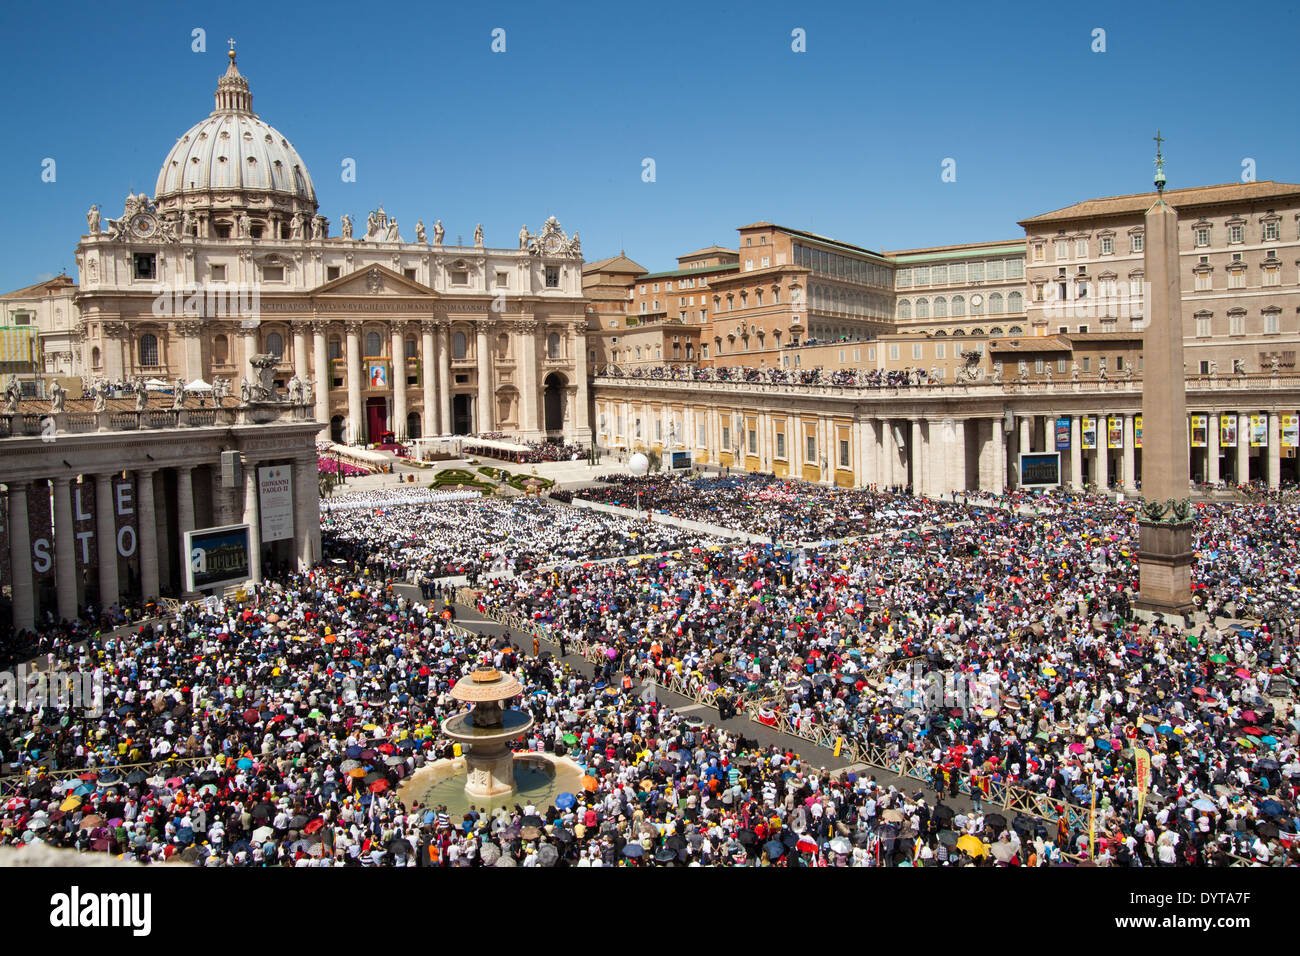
{"x": 450, "y": 477}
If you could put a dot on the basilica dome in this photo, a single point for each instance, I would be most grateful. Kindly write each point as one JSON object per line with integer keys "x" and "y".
{"x": 234, "y": 155}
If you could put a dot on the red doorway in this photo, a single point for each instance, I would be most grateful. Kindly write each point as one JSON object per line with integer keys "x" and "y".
{"x": 376, "y": 418}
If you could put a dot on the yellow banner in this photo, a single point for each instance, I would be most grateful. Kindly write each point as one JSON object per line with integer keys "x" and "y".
{"x": 1089, "y": 430}
{"x": 1290, "y": 430}
{"x": 1142, "y": 765}
{"x": 1199, "y": 430}
{"x": 1115, "y": 432}
{"x": 1228, "y": 430}
{"x": 1137, "y": 431}
{"x": 1258, "y": 431}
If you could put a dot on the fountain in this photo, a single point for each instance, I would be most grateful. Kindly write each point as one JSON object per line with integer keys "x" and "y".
{"x": 487, "y": 729}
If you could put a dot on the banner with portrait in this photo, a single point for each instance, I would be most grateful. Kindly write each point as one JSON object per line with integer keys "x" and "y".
{"x": 1088, "y": 439}
{"x": 1200, "y": 428}
{"x": 1290, "y": 430}
{"x": 1062, "y": 434}
{"x": 1115, "y": 431}
{"x": 1137, "y": 431}
{"x": 1228, "y": 430}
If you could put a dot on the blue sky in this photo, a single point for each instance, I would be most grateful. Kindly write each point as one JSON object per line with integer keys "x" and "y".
{"x": 846, "y": 139}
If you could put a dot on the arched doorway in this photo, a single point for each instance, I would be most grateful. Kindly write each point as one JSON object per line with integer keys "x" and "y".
{"x": 412, "y": 424}
{"x": 462, "y": 419}
{"x": 553, "y": 402}
{"x": 336, "y": 429}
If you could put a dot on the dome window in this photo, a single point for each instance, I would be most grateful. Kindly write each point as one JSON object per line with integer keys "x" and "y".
{"x": 252, "y": 160}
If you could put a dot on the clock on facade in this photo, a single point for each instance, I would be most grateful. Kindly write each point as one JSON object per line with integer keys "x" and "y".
{"x": 144, "y": 225}
{"x": 552, "y": 244}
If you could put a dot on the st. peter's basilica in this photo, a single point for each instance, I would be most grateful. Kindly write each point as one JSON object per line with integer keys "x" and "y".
{"x": 230, "y": 260}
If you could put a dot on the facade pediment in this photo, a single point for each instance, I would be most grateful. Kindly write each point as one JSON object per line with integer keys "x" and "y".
{"x": 373, "y": 280}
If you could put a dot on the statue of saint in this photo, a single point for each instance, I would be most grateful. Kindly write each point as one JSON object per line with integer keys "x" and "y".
{"x": 347, "y": 226}
{"x": 100, "y": 395}
{"x": 245, "y": 392}
{"x": 243, "y": 224}
{"x": 141, "y": 394}
{"x": 524, "y": 236}
{"x": 295, "y": 226}
{"x": 1074, "y": 372}
{"x": 421, "y": 236}
{"x": 57, "y": 396}
{"x": 306, "y": 391}
{"x": 92, "y": 220}
{"x": 438, "y": 233}
{"x": 318, "y": 227}
{"x": 478, "y": 235}
{"x": 392, "y": 235}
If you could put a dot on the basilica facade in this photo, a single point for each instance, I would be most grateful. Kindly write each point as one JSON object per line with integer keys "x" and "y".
{"x": 231, "y": 261}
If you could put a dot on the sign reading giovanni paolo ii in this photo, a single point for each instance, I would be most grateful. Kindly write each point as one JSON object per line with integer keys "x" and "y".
{"x": 275, "y": 493}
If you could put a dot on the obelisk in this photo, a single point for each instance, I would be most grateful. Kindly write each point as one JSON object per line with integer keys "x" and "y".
{"x": 1165, "y": 553}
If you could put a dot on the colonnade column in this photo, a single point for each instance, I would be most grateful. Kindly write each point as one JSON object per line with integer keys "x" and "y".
{"x": 1212, "y": 461}
{"x": 65, "y": 558}
{"x": 148, "y": 536}
{"x": 1243, "y": 449}
{"x": 250, "y": 349}
{"x": 581, "y": 414}
{"x": 106, "y": 541}
{"x": 428, "y": 379}
{"x": 397, "y": 340}
{"x": 916, "y": 452}
{"x": 955, "y": 460}
{"x": 354, "y": 431}
{"x": 1076, "y": 455}
{"x": 999, "y": 441}
{"x": 184, "y": 512}
{"x": 306, "y": 511}
{"x": 323, "y": 371}
{"x": 1274, "y": 450}
{"x": 1102, "y": 453}
{"x": 1130, "y": 458}
{"x": 1022, "y": 445}
{"x": 20, "y": 558}
{"x": 253, "y": 520}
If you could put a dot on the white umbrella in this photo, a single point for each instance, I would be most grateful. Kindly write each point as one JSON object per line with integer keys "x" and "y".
{"x": 198, "y": 385}
{"x": 154, "y": 384}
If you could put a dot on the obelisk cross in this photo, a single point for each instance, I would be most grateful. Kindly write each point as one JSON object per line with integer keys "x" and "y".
{"x": 1160, "y": 162}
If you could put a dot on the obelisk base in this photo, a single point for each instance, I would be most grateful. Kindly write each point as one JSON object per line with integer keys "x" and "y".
{"x": 1165, "y": 559}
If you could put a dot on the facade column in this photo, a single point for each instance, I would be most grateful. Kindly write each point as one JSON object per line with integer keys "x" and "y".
{"x": 530, "y": 421}
{"x": 1274, "y": 450}
{"x": 1022, "y": 445}
{"x": 250, "y": 349}
{"x": 1243, "y": 449}
{"x": 483, "y": 417}
{"x": 1130, "y": 458}
{"x": 581, "y": 423}
{"x": 192, "y": 345}
{"x": 300, "y": 357}
{"x": 148, "y": 537}
{"x": 185, "y": 515}
{"x": 355, "y": 425}
{"x": 1102, "y": 452}
{"x": 428, "y": 380}
{"x": 65, "y": 558}
{"x": 1212, "y": 441}
{"x": 106, "y": 541}
{"x": 444, "y": 378}
{"x": 397, "y": 338}
{"x": 112, "y": 342}
{"x": 20, "y": 559}
{"x": 955, "y": 461}
{"x": 253, "y": 520}
{"x": 323, "y": 371}
{"x": 1076, "y": 454}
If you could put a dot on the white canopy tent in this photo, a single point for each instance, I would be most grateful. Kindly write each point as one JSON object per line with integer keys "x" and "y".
{"x": 198, "y": 385}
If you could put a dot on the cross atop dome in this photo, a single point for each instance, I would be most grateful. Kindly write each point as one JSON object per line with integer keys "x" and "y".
{"x": 232, "y": 94}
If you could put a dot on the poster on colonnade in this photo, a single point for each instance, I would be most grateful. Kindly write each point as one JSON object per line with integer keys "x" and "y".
{"x": 1290, "y": 430}
{"x": 1200, "y": 429}
{"x": 1228, "y": 430}
{"x": 1089, "y": 430}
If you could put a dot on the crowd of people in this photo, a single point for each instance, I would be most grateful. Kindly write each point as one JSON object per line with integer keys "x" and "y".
{"x": 532, "y": 452}
{"x": 398, "y": 537}
{"x": 277, "y": 731}
{"x": 772, "y": 375}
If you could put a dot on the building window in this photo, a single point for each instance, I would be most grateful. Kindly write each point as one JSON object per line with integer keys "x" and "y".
{"x": 922, "y": 308}
{"x": 1015, "y": 302}
{"x": 459, "y": 277}
{"x": 1204, "y": 280}
{"x": 275, "y": 344}
{"x": 410, "y": 347}
{"x": 458, "y": 345}
{"x": 220, "y": 350}
{"x": 1201, "y": 236}
{"x": 812, "y": 448}
{"x": 958, "y": 305}
{"x": 552, "y": 277}
{"x": 893, "y": 353}
{"x": 1081, "y": 248}
{"x": 1107, "y": 245}
{"x": 780, "y": 444}
{"x": 373, "y": 346}
{"x": 1038, "y": 252}
{"x": 844, "y": 453}
{"x": 1236, "y": 233}
{"x": 1272, "y": 275}
{"x": 995, "y": 303}
{"x": 1062, "y": 249}
{"x": 1203, "y": 326}
{"x": 940, "y": 307}
{"x": 940, "y": 351}
{"x": 726, "y": 436}
{"x": 1237, "y": 279}
{"x": 332, "y": 272}
{"x": 1271, "y": 231}
{"x": 409, "y": 273}
{"x": 553, "y": 345}
{"x": 144, "y": 265}
{"x": 272, "y": 273}
{"x": 149, "y": 350}
{"x": 336, "y": 349}
{"x": 917, "y": 350}
{"x": 753, "y": 442}
{"x": 1272, "y": 323}
{"x": 1236, "y": 323}
{"x": 904, "y": 308}
{"x": 1136, "y": 242}
{"x": 217, "y": 273}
